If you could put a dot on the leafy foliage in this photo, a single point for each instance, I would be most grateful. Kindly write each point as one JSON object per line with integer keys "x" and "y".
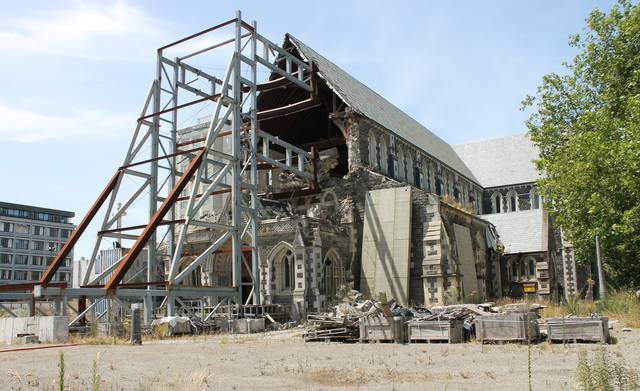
{"x": 587, "y": 125}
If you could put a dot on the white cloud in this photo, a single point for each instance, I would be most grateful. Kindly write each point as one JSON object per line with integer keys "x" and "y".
{"x": 27, "y": 126}
{"x": 84, "y": 30}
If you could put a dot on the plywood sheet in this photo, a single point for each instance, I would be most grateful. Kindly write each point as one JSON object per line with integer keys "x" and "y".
{"x": 386, "y": 243}
{"x": 467, "y": 260}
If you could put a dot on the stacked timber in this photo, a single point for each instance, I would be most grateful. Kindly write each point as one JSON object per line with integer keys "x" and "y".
{"x": 592, "y": 329}
{"x": 331, "y": 328}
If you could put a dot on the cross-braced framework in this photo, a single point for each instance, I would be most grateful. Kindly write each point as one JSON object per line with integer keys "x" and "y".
{"x": 175, "y": 178}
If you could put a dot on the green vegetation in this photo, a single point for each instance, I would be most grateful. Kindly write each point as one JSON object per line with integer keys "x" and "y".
{"x": 623, "y": 306}
{"x": 586, "y": 123}
{"x": 61, "y": 372}
{"x": 603, "y": 372}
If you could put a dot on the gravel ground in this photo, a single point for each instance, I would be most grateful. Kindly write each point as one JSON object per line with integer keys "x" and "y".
{"x": 281, "y": 360}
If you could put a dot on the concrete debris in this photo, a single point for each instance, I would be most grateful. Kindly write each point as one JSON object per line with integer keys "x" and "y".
{"x": 175, "y": 324}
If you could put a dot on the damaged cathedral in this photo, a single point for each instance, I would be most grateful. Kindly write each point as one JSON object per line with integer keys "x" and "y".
{"x": 394, "y": 208}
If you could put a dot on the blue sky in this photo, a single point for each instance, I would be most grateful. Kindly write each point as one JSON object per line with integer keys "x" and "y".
{"x": 74, "y": 74}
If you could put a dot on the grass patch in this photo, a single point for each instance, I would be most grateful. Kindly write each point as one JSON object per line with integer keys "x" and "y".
{"x": 618, "y": 305}
{"x": 605, "y": 372}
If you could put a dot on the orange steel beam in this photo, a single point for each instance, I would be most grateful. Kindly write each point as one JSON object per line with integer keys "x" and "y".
{"x": 150, "y": 229}
{"x": 73, "y": 239}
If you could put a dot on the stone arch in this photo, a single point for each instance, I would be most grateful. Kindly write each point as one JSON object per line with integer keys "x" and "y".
{"x": 496, "y": 202}
{"x": 329, "y": 202}
{"x": 512, "y": 201}
{"x": 334, "y": 274}
{"x": 534, "y": 198}
{"x": 530, "y": 266}
{"x": 281, "y": 269}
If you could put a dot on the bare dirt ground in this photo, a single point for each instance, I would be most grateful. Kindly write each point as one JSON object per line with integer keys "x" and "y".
{"x": 282, "y": 361}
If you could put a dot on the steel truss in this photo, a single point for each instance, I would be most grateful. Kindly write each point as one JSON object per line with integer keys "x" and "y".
{"x": 155, "y": 156}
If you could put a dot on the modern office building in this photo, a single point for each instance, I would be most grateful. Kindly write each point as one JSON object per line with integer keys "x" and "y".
{"x": 30, "y": 238}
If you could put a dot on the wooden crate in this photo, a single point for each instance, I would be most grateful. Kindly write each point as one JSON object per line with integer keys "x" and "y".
{"x": 450, "y": 331}
{"x": 507, "y": 327}
{"x": 383, "y": 329}
{"x": 578, "y": 329}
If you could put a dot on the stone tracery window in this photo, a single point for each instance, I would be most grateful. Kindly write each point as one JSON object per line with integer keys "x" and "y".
{"x": 283, "y": 268}
{"x": 334, "y": 274}
{"x": 512, "y": 201}
{"x": 401, "y": 166}
{"x": 496, "y": 202}
{"x": 534, "y": 199}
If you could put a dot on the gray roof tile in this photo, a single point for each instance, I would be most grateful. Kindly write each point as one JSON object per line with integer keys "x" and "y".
{"x": 501, "y": 161}
{"x": 521, "y": 232}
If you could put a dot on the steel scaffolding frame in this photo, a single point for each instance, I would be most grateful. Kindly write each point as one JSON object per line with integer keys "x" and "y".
{"x": 235, "y": 115}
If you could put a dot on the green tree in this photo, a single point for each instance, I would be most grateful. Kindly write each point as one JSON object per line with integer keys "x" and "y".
{"x": 586, "y": 123}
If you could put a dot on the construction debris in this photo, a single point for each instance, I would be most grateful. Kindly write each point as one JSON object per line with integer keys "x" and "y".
{"x": 359, "y": 319}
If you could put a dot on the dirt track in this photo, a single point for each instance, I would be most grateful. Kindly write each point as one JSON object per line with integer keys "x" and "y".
{"x": 281, "y": 360}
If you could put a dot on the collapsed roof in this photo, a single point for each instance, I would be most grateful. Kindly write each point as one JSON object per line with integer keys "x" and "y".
{"x": 368, "y": 103}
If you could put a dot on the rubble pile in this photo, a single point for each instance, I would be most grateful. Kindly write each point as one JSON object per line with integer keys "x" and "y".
{"x": 342, "y": 324}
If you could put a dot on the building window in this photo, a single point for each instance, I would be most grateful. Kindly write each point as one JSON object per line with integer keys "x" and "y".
{"x": 21, "y": 259}
{"x": 52, "y": 232}
{"x": 438, "y": 187}
{"x": 418, "y": 176}
{"x": 38, "y": 230}
{"x": 512, "y": 201}
{"x": 534, "y": 199}
{"x": 6, "y": 243}
{"x": 532, "y": 267}
{"x": 53, "y": 246}
{"x": 6, "y": 227}
{"x": 5, "y": 274}
{"x": 37, "y": 245}
{"x": 496, "y": 202}
{"x": 37, "y": 260}
{"x": 6, "y": 258}
{"x": 50, "y": 260}
{"x": 36, "y": 275}
{"x": 20, "y": 275}
{"x": 283, "y": 269}
{"x": 65, "y": 233}
{"x": 22, "y": 244}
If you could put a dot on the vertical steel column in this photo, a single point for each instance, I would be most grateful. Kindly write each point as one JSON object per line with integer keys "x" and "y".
{"x": 255, "y": 267}
{"x": 153, "y": 180}
{"x": 236, "y": 191}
